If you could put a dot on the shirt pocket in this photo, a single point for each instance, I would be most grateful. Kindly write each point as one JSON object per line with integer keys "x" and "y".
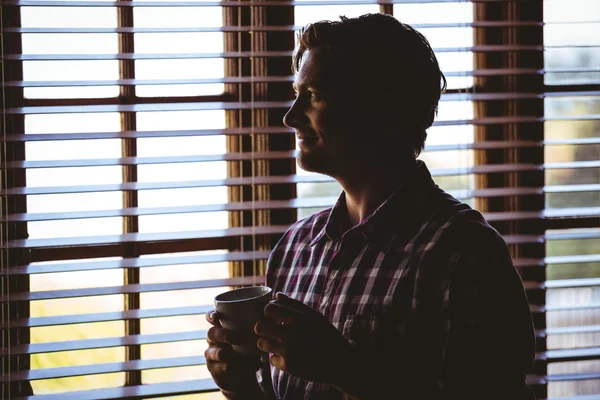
{"x": 363, "y": 330}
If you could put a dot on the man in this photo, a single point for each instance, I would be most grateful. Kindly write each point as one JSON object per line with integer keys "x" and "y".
{"x": 399, "y": 291}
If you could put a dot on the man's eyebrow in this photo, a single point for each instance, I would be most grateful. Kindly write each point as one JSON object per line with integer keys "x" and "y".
{"x": 305, "y": 85}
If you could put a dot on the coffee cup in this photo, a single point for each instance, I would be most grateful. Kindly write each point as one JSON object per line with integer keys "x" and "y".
{"x": 239, "y": 310}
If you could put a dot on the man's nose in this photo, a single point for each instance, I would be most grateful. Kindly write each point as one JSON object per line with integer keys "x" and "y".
{"x": 293, "y": 117}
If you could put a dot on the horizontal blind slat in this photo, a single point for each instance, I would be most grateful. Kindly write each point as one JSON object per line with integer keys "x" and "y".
{"x": 569, "y": 330}
{"x": 571, "y": 307}
{"x": 36, "y": 322}
{"x": 283, "y": 179}
{"x": 147, "y": 134}
{"x": 103, "y": 368}
{"x": 573, "y": 164}
{"x": 137, "y": 262}
{"x": 132, "y": 288}
{"x": 564, "y": 355}
{"x": 528, "y": 262}
{"x": 572, "y": 188}
{"x": 83, "y": 3}
{"x": 574, "y": 377}
{"x": 265, "y": 54}
{"x": 131, "y": 340}
{"x": 145, "y": 82}
{"x": 578, "y": 212}
{"x": 573, "y": 259}
{"x": 271, "y": 155}
{"x": 567, "y": 235}
{"x": 543, "y": 380}
{"x": 578, "y": 397}
{"x": 573, "y": 141}
{"x": 143, "y": 237}
{"x": 310, "y": 202}
{"x": 572, "y": 283}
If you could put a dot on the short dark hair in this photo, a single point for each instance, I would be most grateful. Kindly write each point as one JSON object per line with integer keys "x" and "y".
{"x": 392, "y": 66}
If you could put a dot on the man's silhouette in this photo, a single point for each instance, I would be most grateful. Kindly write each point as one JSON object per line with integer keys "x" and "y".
{"x": 399, "y": 291}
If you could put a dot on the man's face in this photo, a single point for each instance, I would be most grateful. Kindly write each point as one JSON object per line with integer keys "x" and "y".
{"x": 322, "y": 118}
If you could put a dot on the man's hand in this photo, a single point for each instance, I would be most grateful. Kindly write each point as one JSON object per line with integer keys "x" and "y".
{"x": 302, "y": 342}
{"x": 234, "y": 373}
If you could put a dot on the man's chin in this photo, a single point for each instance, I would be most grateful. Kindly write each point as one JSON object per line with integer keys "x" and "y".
{"x": 312, "y": 162}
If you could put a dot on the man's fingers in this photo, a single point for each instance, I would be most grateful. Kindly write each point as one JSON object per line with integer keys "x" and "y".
{"x": 278, "y": 362}
{"x": 235, "y": 369}
{"x": 295, "y": 305}
{"x": 216, "y": 367}
{"x": 213, "y": 318}
{"x": 272, "y": 346}
{"x": 227, "y": 355}
{"x": 270, "y": 329}
{"x": 217, "y": 335}
{"x": 281, "y": 313}
{"x": 219, "y": 354}
{"x": 221, "y": 335}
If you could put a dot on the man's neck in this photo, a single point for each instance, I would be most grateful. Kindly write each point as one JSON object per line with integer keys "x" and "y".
{"x": 367, "y": 190}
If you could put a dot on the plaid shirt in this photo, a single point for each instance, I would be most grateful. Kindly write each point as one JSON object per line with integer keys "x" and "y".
{"x": 425, "y": 283}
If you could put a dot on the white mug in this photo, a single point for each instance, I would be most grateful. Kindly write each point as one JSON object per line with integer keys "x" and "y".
{"x": 239, "y": 310}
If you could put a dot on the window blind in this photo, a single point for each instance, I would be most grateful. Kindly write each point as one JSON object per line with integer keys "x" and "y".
{"x": 146, "y": 168}
{"x": 572, "y": 203}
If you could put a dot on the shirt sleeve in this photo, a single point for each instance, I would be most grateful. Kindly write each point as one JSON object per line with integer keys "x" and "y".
{"x": 490, "y": 343}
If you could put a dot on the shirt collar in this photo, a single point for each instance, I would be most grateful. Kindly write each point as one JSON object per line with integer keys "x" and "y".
{"x": 403, "y": 210}
{"x": 337, "y": 222}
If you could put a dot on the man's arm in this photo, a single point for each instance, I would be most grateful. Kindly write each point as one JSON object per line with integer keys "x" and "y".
{"x": 491, "y": 340}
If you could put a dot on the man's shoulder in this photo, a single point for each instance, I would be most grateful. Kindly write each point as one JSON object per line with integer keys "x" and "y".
{"x": 463, "y": 225}
{"x": 457, "y": 236}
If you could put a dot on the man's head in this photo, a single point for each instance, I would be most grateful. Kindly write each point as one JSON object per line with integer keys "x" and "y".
{"x": 362, "y": 83}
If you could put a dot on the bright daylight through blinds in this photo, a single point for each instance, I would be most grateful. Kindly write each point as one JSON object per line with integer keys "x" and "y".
{"x": 146, "y": 169}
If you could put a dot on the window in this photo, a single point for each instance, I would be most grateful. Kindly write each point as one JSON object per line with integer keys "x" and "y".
{"x": 146, "y": 169}
{"x": 572, "y": 63}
